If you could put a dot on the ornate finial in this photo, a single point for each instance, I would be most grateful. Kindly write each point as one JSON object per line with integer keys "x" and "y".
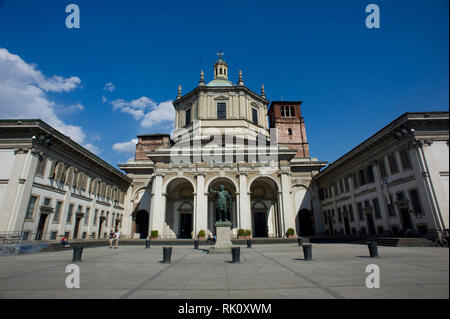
{"x": 263, "y": 93}
{"x": 202, "y": 78}
{"x": 179, "y": 91}
{"x": 241, "y": 81}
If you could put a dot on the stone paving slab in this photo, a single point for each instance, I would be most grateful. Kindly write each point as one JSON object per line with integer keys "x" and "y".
{"x": 266, "y": 272}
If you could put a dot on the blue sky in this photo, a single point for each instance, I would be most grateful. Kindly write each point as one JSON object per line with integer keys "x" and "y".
{"x": 353, "y": 80}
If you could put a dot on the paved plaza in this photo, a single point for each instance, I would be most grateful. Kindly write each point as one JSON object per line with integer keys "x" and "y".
{"x": 265, "y": 271}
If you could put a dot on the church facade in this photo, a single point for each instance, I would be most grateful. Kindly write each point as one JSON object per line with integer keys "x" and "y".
{"x": 225, "y": 135}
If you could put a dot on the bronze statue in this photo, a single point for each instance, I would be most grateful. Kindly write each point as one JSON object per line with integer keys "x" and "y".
{"x": 223, "y": 202}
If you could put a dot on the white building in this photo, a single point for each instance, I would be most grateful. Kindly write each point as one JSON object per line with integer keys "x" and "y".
{"x": 50, "y": 186}
{"x": 398, "y": 179}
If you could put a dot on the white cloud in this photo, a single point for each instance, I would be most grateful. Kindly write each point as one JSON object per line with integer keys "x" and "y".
{"x": 126, "y": 147}
{"x": 109, "y": 87}
{"x": 104, "y": 99}
{"x": 145, "y": 110}
{"x": 23, "y": 94}
{"x": 93, "y": 148}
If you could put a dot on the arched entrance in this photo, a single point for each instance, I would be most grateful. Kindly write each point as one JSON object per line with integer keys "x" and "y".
{"x": 305, "y": 221}
{"x": 212, "y": 202}
{"x": 266, "y": 221}
{"x": 142, "y": 220}
{"x": 141, "y": 215}
{"x": 179, "y": 208}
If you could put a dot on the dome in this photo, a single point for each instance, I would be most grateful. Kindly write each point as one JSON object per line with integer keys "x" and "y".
{"x": 220, "y": 82}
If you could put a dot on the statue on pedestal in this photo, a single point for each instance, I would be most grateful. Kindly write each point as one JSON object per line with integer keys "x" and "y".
{"x": 223, "y": 203}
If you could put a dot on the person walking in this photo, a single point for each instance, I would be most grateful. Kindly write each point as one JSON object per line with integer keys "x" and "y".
{"x": 111, "y": 238}
{"x": 117, "y": 237}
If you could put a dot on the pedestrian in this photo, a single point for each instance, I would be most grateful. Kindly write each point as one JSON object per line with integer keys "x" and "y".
{"x": 111, "y": 238}
{"x": 117, "y": 237}
{"x": 65, "y": 242}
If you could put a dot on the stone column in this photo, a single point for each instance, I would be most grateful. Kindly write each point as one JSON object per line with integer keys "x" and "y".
{"x": 157, "y": 206}
{"x": 201, "y": 207}
{"x": 289, "y": 220}
{"x": 245, "y": 214}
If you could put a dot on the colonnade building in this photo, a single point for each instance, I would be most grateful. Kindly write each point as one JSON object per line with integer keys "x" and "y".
{"x": 225, "y": 134}
{"x": 50, "y": 186}
{"x": 394, "y": 183}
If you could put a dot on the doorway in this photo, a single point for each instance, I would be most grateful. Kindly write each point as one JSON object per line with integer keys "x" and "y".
{"x": 347, "y": 225}
{"x": 259, "y": 224}
{"x": 41, "y": 226}
{"x": 142, "y": 219}
{"x": 371, "y": 224}
{"x": 305, "y": 223}
{"x": 405, "y": 218}
{"x": 185, "y": 225}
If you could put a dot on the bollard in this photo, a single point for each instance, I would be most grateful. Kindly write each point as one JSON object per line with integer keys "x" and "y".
{"x": 236, "y": 254}
{"x": 167, "y": 254}
{"x": 147, "y": 243}
{"x": 77, "y": 252}
{"x": 196, "y": 244}
{"x": 307, "y": 251}
{"x": 300, "y": 241}
{"x": 249, "y": 243}
{"x": 373, "y": 249}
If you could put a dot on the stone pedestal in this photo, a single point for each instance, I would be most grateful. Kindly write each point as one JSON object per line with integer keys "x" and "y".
{"x": 223, "y": 240}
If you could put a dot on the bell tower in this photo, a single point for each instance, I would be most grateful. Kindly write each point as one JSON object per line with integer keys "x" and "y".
{"x": 287, "y": 118}
{"x": 220, "y": 68}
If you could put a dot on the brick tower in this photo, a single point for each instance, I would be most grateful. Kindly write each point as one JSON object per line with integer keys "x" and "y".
{"x": 287, "y": 117}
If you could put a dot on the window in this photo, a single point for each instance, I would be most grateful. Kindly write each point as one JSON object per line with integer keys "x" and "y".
{"x": 363, "y": 230}
{"x": 382, "y": 167}
{"x": 355, "y": 181}
{"x": 47, "y": 202}
{"x": 350, "y": 211}
{"x": 69, "y": 214}
{"x": 31, "y": 206}
{"x": 84, "y": 235}
{"x": 57, "y": 212}
{"x": 283, "y": 112}
{"x": 53, "y": 235}
{"x": 370, "y": 175}
{"x": 400, "y": 196}
{"x": 414, "y": 195}
{"x": 221, "y": 110}
{"x": 339, "y": 215}
{"x": 188, "y": 117}
{"x": 405, "y": 159}
{"x": 361, "y": 178}
{"x": 321, "y": 194}
{"x": 291, "y": 111}
{"x": 346, "y": 184}
{"x": 255, "y": 116}
{"x": 86, "y": 217}
{"x": 289, "y": 131}
{"x": 393, "y": 166}
{"x": 42, "y": 161}
{"x": 360, "y": 211}
{"x": 341, "y": 186}
{"x": 376, "y": 207}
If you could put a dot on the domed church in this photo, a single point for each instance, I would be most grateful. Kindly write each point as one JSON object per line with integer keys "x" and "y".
{"x": 226, "y": 135}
